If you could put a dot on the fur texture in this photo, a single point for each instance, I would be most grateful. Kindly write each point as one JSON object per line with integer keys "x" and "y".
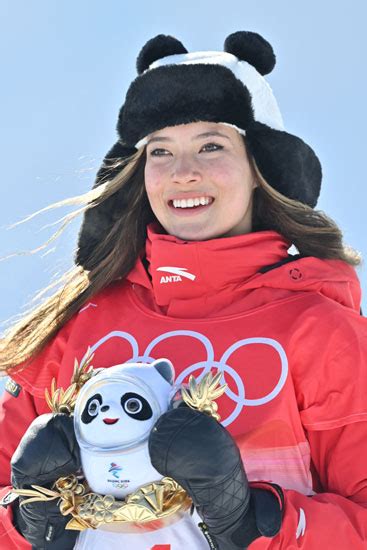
{"x": 253, "y": 48}
{"x": 179, "y": 94}
{"x": 286, "y": 162}
{"x": 99, "y": 220}
{"x": 158, "y": 47}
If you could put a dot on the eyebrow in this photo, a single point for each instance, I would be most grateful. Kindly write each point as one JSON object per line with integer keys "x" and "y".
{"x": 199, "y": 136}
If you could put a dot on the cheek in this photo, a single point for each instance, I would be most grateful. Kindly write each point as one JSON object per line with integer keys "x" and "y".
{"x": 237, "y": 180}
{"x": 227, "y": 172}
{"x": 154, "y": 178}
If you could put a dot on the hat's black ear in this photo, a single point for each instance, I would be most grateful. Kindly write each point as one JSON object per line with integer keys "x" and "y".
{"x": 156, "y": 48}
{"x": 253, "y": 48}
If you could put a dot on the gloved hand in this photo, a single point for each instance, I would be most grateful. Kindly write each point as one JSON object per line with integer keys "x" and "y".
{"x": 48, "y": 450}
{"x": 201, "y": 455}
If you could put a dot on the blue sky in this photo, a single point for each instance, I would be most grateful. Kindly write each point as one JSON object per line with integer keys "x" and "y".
{"x": 66, "y": 67}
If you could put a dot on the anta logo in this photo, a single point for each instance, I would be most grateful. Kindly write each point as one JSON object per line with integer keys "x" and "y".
{"x": 170, "y": 278}
{"x": 176, "y": 274}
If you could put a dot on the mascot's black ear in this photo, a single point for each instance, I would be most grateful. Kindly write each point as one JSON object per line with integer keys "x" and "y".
{"x": 165, "y": 369}
{"x": 253, "y": 48}
{"x": 158, "y": 47}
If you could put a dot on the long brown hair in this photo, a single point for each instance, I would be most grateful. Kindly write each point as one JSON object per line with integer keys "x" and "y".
{"x": 119, "y": 250}
{"x": 311, "y": 231}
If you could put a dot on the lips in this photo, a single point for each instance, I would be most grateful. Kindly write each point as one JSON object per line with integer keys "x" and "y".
{"x": 190, "y": 211}
{"x": 110, "y": 420}
{"x": 191, "y": 202}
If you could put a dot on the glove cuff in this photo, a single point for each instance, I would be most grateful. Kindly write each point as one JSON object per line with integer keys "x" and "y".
{"x": 263, "y": 518}
{"x": 42, "y": 525}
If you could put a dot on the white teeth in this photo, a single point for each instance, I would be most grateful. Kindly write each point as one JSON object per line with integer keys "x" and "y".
{"x": 189, "y": 203}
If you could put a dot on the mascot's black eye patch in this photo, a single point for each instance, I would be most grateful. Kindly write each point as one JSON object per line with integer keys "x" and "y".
{"x": 136, "y": 406}
{"x": 91, "y": 408}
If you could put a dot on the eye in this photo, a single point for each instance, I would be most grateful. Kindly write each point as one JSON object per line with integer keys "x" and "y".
{"x": 133, "y": 405}
{"x": 93, "y": 407}
{"x": 210, "y": 147}
{"x": 136, "y": 406}
{"x": 159, "y": 152}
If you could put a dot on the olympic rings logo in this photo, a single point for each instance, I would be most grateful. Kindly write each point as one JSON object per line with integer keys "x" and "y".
{"x": 222, "y": 365}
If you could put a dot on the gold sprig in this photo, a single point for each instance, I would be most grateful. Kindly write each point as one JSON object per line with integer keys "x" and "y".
{"x": 63, "y": 401}
{"x": 201, "y": 395}
{"x": 82, "y": 373}
{"x": 36, "y": 494}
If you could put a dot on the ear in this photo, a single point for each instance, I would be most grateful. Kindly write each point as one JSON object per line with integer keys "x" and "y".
{"x": 157, "y": 48}
{"x": 165, "y": 369}
{"x": 253, "y": 48}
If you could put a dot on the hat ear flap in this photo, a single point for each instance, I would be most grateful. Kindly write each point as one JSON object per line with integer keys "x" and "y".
{"x": 286, "y": 162}
{"x": 98, "y": 221}
{"x": 253, "y": 48}
{"x": 113, "y": 162}
{"x": 157, "y": 48}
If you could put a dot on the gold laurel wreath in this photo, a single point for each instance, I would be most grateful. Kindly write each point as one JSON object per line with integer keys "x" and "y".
{"x": 151, "y": 502}
{"x": 161, "y": 500}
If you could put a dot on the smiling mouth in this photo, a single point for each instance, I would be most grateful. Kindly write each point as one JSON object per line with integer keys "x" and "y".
{"x": 110, "y": 420}
{"x": 190, "y": 203}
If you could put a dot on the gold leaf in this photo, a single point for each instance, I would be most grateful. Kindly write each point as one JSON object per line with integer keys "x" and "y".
{"x": 45, "y": 491}
{"x": 77, "y": 524}
{"x": 201, "y": 395}
{"x": 69, "y": 393}
{"x": 63, "y": 401}
{"x": 34, "y": 499}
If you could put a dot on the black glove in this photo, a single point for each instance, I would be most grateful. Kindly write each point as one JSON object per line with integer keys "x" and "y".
{"x": 48, "y": 450}
{"x": 201, "y": 455}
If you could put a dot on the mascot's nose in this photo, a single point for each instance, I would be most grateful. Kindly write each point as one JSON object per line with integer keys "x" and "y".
{"x": 105, "y": 408}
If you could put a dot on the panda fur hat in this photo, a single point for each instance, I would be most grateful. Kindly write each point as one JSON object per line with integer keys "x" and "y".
{"x": 176, "y": 87}
{"x": 114, "y": 414}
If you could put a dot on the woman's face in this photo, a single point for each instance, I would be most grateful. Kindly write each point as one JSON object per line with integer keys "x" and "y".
{"x": 199, "y": 181}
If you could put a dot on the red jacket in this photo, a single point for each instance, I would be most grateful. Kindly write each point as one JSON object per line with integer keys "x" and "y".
{"x": 291, "y": 344}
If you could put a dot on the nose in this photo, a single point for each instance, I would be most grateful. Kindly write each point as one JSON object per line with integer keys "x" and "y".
{"x": 185, "y": 170}
{"x": 104, "y": 408}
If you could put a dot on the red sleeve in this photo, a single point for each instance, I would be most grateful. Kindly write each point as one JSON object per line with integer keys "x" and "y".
{"x": 16, "y": 413}
{"x": 334, "y": 415}
{"x": 337, "y": 516}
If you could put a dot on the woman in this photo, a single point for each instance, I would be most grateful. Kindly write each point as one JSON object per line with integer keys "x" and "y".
{"x": 183, "y": 253}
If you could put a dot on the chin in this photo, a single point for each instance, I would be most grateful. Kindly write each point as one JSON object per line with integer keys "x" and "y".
{"x": 195, "y": 234}
{"x": 205, "y": 233}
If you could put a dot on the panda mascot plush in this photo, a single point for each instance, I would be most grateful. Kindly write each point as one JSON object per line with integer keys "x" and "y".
{"x": 114, "y": 414}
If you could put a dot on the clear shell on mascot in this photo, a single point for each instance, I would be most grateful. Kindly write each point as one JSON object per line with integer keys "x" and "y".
{"x": 114, "y": 414}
